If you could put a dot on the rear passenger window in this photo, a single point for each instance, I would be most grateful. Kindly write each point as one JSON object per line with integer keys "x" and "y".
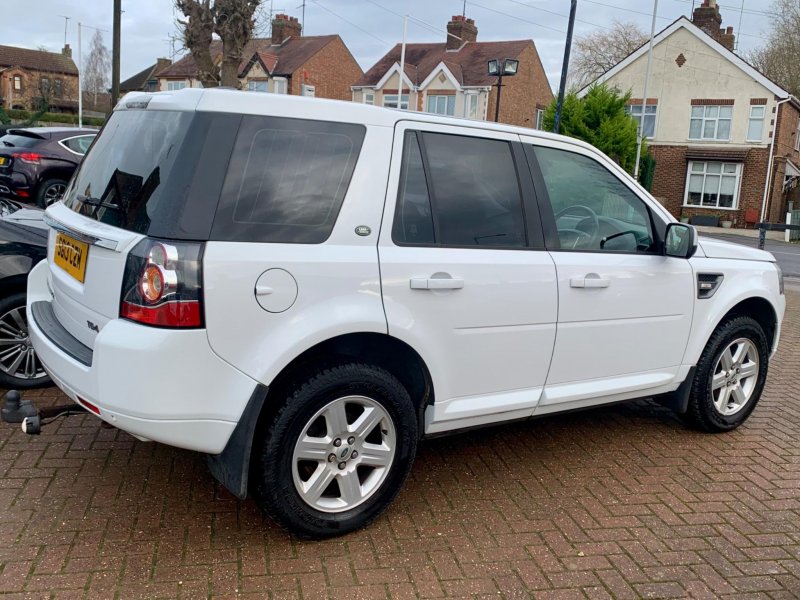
{"x": 470, "y": 187}
{"x": 286, "y": 180}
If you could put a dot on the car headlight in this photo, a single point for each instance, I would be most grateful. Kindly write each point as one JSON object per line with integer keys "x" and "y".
{"x": 780, "y": 278}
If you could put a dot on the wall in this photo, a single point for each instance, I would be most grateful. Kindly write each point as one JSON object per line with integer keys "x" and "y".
{"x": 786, "y": 132}
{"x": 332, "y": 70}
{"x": 31, "y": 88}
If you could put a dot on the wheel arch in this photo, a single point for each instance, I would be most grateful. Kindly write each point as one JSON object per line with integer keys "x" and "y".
{"x": 233, "y": 466}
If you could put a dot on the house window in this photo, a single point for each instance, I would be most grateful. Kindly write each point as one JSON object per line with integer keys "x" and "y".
{"x": 539, "y": 118}
{"x": 797, "y": 136}
{"x": 649, "y": 128}
{"x": 368, "y": 97}
{"x": 755, "y": 127}
{"x": 257, "y": 86}
{"x": 471, "y": 106}
{"x": 280, "y": 85}
{"x": 442, "y": 105}
{"x": 711, "y": 123}
{"x": 309, "y": 90}
{"x": 58, "y": 88}
{"x": 44, "y": 85}
{"x": 173, "y": 86}
{"x": 17, "y": 82}
{"x": 713, "y": 184}
{"x": 390, "y": 100}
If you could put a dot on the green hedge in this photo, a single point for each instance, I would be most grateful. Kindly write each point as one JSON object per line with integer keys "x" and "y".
{"x": 47, "y": 117}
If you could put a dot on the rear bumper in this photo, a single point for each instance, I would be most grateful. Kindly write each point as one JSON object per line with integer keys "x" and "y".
{"x": 15, "y": 185}
{"x": 157, "y": 384}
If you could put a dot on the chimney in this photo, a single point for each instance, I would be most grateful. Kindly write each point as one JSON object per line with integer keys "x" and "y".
{"x": 161, "y": 64}
{"x": 463, "y": 28}
{"x": 67, "y": 51}
{"x": 707, "y": 17}
{"x": 283, "y": 27}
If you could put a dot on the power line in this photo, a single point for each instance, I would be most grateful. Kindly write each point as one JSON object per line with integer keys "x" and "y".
{"x": 361, "y": 29}
{"x": 749, "y": 11}
{"x": 510, "y": 16}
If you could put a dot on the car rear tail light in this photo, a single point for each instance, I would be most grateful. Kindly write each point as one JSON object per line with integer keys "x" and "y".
{"x": 162, "y": 285}
{"x": 28, "y": 157}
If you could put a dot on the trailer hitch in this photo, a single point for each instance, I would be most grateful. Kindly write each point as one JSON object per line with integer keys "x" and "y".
{"x": 32, "y": 419}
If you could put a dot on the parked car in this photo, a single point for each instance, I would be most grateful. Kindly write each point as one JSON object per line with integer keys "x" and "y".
{"x": 23, "y": 243}
{"x": 302, "y": 289}
{"x": 37, "y": 162}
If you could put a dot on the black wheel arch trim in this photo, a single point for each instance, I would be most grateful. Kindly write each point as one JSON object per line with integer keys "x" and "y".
{"x": 231, "y": 467}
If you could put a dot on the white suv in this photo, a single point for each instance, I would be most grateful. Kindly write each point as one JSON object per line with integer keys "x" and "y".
{"x": 302, "y": 289}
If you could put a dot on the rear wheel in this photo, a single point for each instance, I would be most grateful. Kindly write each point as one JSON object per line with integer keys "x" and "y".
{"x": 50, "y": 191}
{"x": 730, "y": 376}
{"x": 337, "y": 452}
{"x": 20, "y": 368}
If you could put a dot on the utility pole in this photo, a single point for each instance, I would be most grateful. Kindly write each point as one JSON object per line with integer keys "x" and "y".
{"x": 115, "y": 60}
{"x": 66, "y": 20}
{"x": 565, "y": 66}
{"x": 403, "y": 67}
{"x": 80, "y": 78}
{"x": 644, "y": 92}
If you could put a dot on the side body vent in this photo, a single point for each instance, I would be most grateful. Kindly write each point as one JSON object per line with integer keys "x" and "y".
{"x": 708, "y": 284}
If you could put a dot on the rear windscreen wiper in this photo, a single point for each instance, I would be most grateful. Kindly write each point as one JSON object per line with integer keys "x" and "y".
{"x": 98, "y": 202}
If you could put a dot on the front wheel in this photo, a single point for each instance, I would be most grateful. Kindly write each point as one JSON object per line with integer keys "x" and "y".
{"x": 338, "y": 451}
{"x": 730, "y": 376}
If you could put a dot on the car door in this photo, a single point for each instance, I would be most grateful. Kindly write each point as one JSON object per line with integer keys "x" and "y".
{"x": 625, "y": 310}
{"x": 465, "y": 278}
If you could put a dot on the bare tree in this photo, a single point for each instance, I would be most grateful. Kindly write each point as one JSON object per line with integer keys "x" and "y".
{"x": 596, "y": 52}
{"x": 96, "y": 67}
{"x": 233, "y": 21}
{"x": 778, "y": 59}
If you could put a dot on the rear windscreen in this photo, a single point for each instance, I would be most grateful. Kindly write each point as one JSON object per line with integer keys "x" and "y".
{"x": 217, "y": 176}
{"x": 19, "y": 141}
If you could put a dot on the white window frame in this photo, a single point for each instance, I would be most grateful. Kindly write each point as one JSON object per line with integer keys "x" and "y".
{"x": 736, "y": 189}
{"x": 539, "y": 118}
{"x": 647, "y": 113}
{"x": 797, "y": 136}
{"x": 280, "y": 85}
{"x": 368, "y": 94}
{"x": 472, "y": 100}
{"x": 438, "y": 98}
{"x": 753, "y": 119}
{"x": 704, "y": 119}
{"x": 175, "y": 85}
{"x": 17, "y": 83}
{"x": 390, "y": 101}
{"x": 253, "y": 83}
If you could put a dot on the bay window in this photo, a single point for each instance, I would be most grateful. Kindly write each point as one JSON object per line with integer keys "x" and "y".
{"x": 713, "y": 184}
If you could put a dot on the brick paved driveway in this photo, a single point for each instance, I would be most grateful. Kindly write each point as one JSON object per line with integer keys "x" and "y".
{"x": 613, "y": 503}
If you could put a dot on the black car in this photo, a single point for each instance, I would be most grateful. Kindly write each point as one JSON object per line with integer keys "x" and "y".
{"x": 37, "y": 162}
{"x": 23, "y": 243}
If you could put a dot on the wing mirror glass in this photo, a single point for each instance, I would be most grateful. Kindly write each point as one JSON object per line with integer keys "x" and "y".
{"x": 680, "y": 240}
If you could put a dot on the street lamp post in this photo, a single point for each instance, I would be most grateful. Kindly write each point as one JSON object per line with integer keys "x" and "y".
{"x": 508, "y": 68}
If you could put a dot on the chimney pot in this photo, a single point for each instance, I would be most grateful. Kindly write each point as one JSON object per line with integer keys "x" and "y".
{"x": 283, "y": 27}
{"x": 67, "y": 51}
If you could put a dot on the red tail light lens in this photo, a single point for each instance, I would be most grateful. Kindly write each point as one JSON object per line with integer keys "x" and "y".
{"x": 162, "y": 286}
{"x": 29, "y": 157}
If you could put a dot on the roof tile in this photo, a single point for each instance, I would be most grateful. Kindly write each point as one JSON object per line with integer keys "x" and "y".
{"x": 36, "y": 60}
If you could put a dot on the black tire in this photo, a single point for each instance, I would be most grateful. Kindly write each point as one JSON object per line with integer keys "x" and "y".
{"x": 702, "y": 413}
{"x": 45, "y": 188}
{"x": 275, "y": 489}
{"x": 9, "y": 304}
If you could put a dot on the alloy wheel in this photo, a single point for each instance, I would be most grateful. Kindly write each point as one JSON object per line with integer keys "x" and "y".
{"x": 17, "y": 357}
{"x": 734, "y": 377}
{"x": 53, "y": 193}
{"x": 344, "y": 453}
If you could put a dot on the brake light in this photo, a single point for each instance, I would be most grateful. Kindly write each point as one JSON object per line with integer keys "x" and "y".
{"x": 28, "y": 157}
{"x": 162, "y": 285}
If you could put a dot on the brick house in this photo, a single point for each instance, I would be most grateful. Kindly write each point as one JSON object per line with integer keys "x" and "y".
{"x": 286, "y": 63}
{"x": 145, "y": 80}
{"x": 726, "y": 139}
{"x": 30, "y": 77}
{"x": 451, "y": 78}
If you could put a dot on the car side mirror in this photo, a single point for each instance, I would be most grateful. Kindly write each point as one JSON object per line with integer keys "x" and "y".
{"x": 680, "y": 240}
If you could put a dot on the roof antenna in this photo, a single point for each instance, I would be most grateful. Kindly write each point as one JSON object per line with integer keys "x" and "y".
{"x": 66, "y": 20}
{"x": 739, "y": 30}
{"x": 464, "y": 12}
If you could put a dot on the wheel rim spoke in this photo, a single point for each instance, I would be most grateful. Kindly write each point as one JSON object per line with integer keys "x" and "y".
{"x": 318, "y": 483}
{"x": 350, "y": 487}
{"x": 368, "y": 421}
{"x": 727, "y": 359}
{"x": 336, "y": 419}
{"x": 376, "y": 456}
{"x": 733, "y": 381}
{"x": 749, "y": 370}
{"x": 309, "y": 448}
{"x": 719, "y": 380}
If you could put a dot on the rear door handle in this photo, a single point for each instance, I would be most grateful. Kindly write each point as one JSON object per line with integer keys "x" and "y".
{"x": 592, "y": 280}
{"x": 449, "y": 283}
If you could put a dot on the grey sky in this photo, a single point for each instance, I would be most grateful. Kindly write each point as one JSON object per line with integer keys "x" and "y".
{"x": 368, "y": 28}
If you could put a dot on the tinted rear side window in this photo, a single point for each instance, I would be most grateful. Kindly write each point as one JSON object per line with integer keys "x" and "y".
{"x": 286, "y": 180}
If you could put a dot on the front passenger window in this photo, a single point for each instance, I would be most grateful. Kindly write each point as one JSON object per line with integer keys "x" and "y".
{"x": 593, "y": 210}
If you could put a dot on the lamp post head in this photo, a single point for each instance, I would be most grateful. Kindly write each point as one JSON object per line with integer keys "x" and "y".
{"x": 494, "y": 67}
{"x": 510, "y": 67}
